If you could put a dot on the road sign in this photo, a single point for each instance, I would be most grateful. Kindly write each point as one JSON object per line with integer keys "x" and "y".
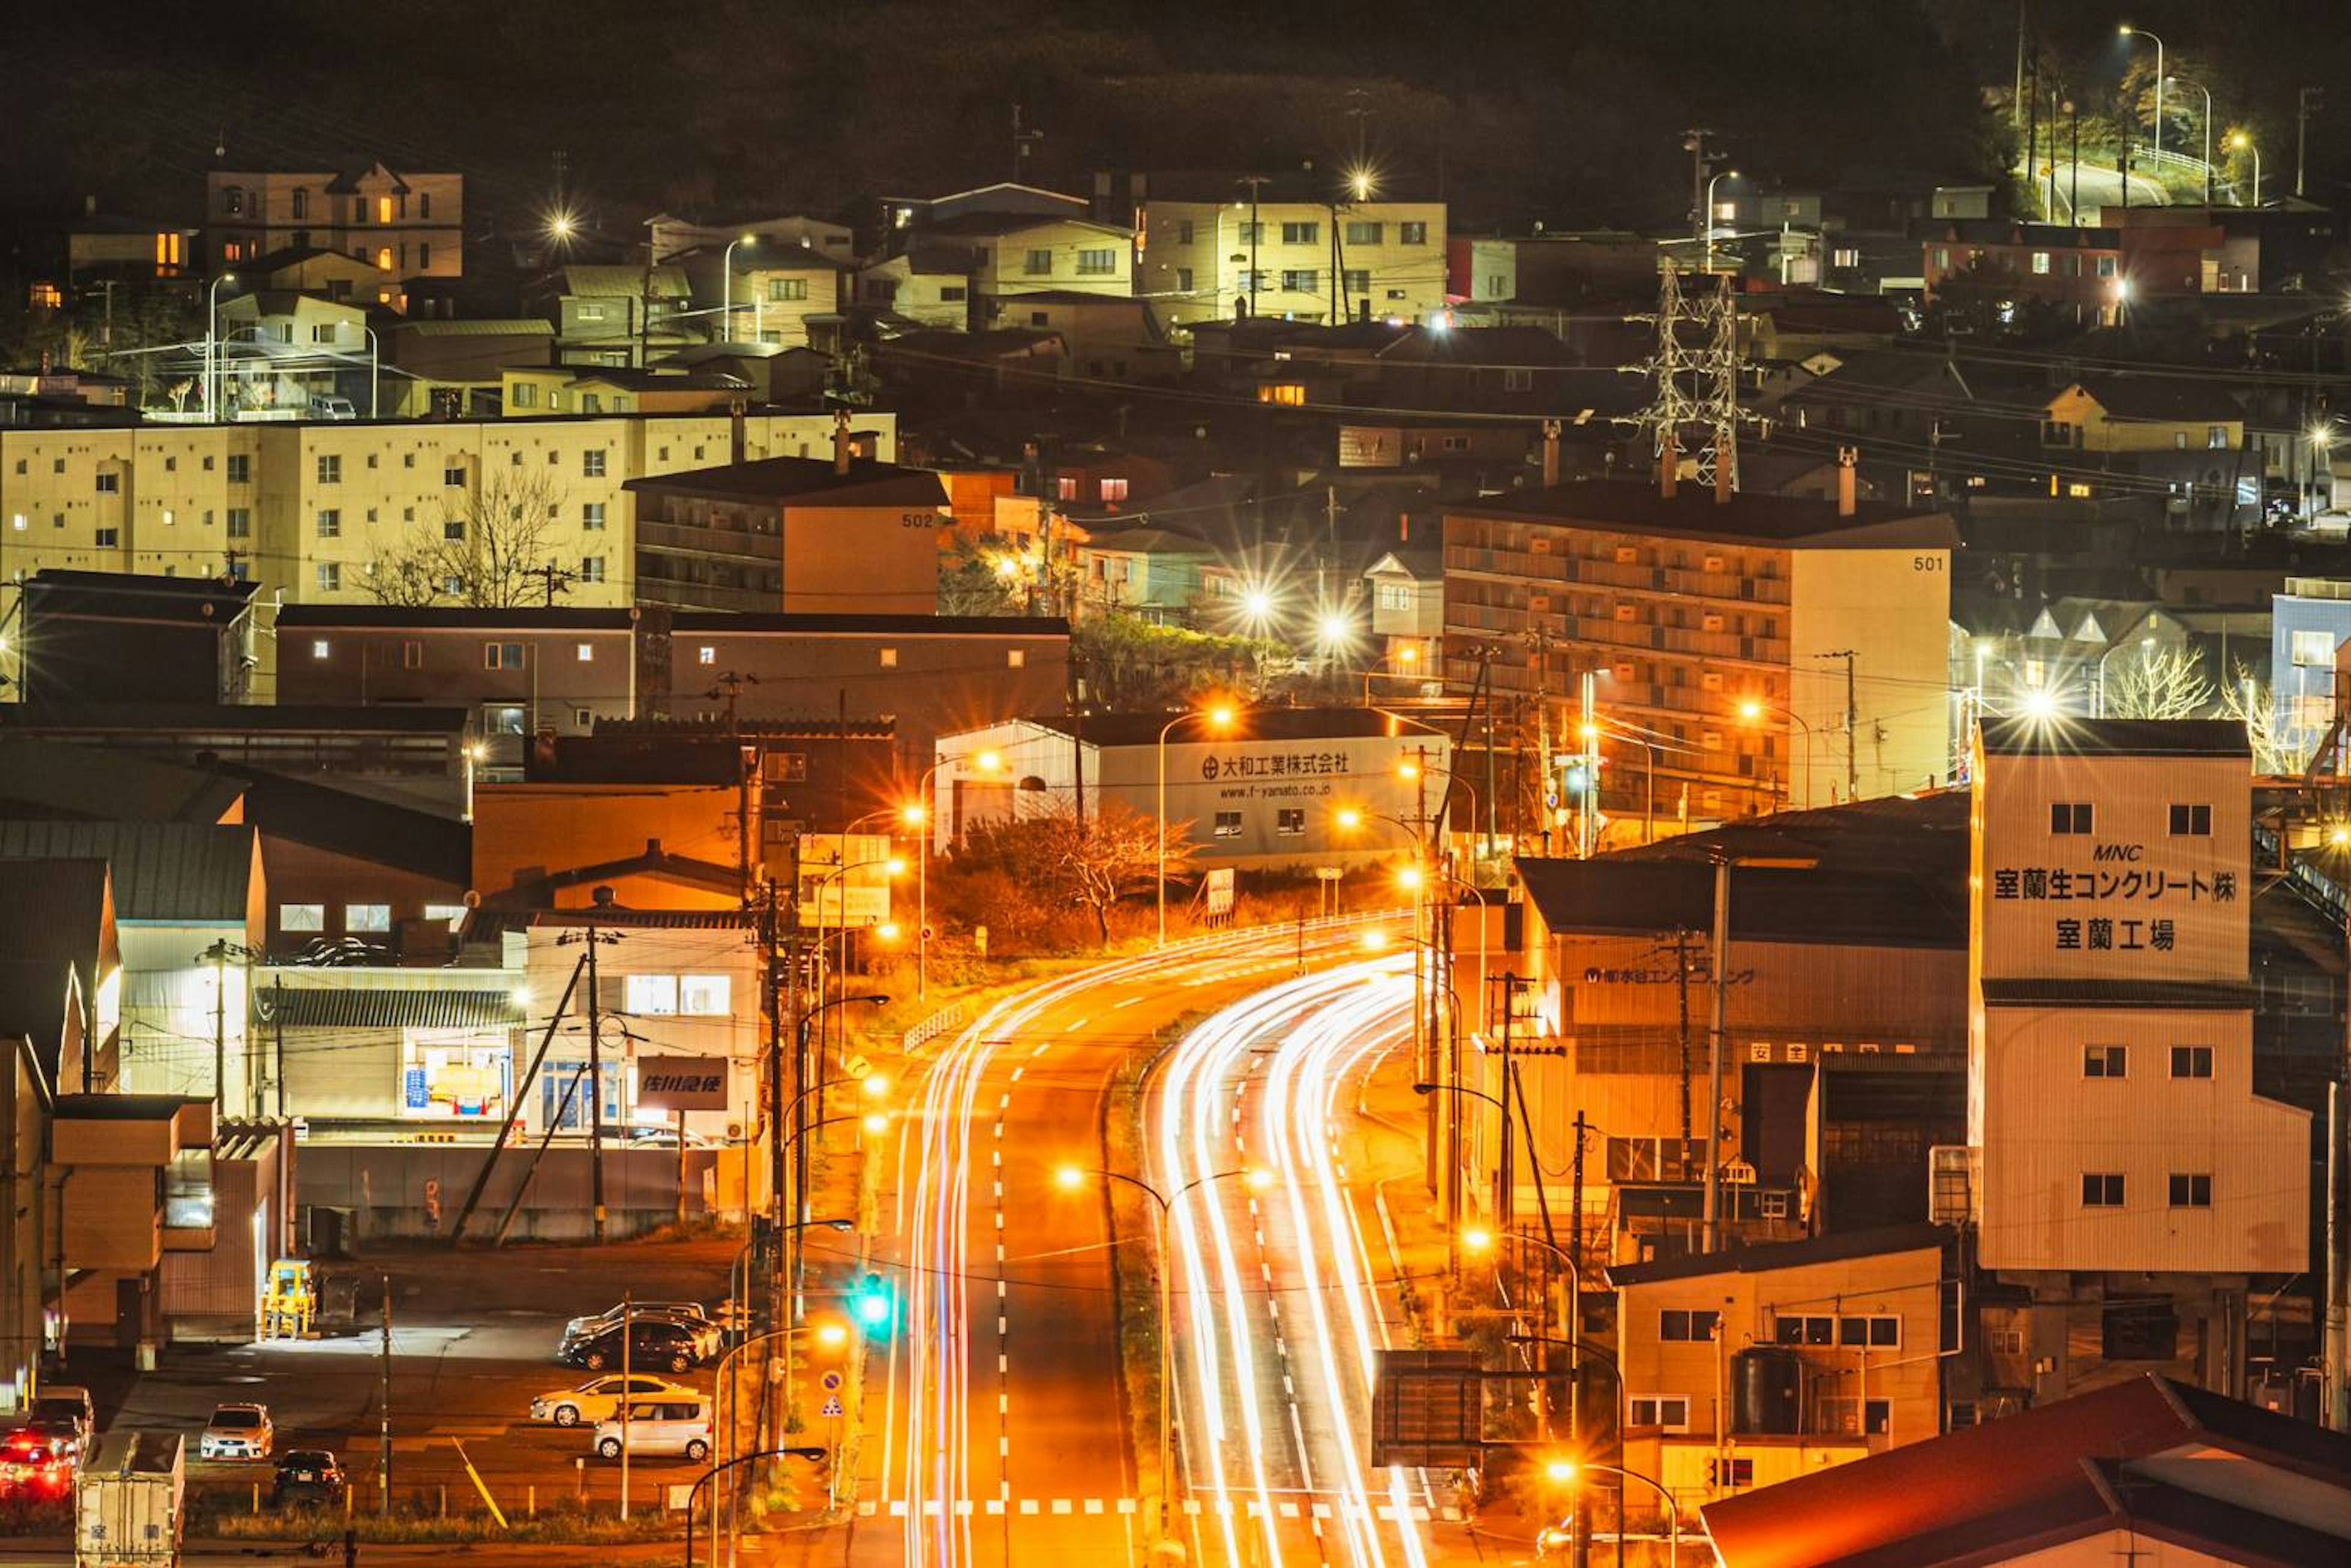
{"x": 1220, "y": 890}
{"x": 833, "y": 1406}
{"x": 831, "y": 1381}
{"x": 1425, "y": 1409}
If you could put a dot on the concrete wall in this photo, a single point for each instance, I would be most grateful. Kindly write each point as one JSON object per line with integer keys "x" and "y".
{"x": 1892, "y": 609}
{"x": 385, "y": 1186}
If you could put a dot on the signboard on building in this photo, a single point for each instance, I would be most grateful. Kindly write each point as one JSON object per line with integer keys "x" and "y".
{"x": 682, "y": 1083}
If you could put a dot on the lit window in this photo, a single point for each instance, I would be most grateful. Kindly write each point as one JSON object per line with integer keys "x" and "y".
{"x": 383, "y": 259}
{"x": 889, "y": 658}
{"x": 318, "y": 649}
{"x": 587, "y": 651}
{"x": 455, "y": 913}
{"x": 703, "y": 996}
{"x": 2314, "y": 650}
{"x": 366, "y": 916}
{"x": 301, "y": 917}
{"x": 331, "y": 577}
{"x": 1015, "y": 658}
{"x": 1113, "y": 489}
{"x": 2040, "y": 263}
{"x": 651, "y": 995}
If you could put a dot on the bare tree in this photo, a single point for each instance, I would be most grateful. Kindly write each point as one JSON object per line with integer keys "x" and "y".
{"x": 1089, "y": 864}
{"x": 2160, "y": 683}
{"x": 2276, "y": 749}
{"x": 492, "y": 550}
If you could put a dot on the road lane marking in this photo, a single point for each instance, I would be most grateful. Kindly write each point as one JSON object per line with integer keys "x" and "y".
{"x": 1075, "y": 1025}
{"x": 1129, "y": 1002}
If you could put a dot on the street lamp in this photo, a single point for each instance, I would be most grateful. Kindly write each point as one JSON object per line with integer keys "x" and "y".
{"x": 1751, "y": 711}
{"x": 1568, "y": 1472}
{"x": 1218, "y": 719}
{"x": 2208, "y": 133}
{"x": 2128, "y": 31}
{"x": 2241, "y": 141}
{"x": 1070, "y": 1179}
{"x": 726, "y": 287}
{"x": 919, "y": 814}
{"x": 1726, "y": 174}
{"x": 212, "y": 341}
{"x": 1649, "y": 750}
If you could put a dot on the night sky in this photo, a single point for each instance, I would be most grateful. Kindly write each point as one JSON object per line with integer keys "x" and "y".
{"x": 1518, "y": 109}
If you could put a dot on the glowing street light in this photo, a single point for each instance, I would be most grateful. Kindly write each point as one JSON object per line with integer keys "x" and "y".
{"x": 1217, "y": 718}
{"x": 2040, "y": 703}
{"x": 874, "y": 1085}
{"x": 2240, "y": 141}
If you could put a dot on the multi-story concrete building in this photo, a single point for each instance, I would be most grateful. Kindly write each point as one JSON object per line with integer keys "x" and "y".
{"x": 2309, "y": 623}
{"x": 404, "y": 225}
{"x": 2131, "y": 1191}
{"x": 1764, "y": 1363}
{"x": 1209, "y": 246}
{"x": 795, "y": 534}
{"x": 307, "y": 509}
{"x": 1773, "y": 650}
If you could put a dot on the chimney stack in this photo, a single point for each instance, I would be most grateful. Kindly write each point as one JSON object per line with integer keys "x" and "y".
{"x": 1669, "y": 463}
{"x": 841, "y": 441}
{"x": 1550, "y": 452}
{"x": 1846, "y": 457}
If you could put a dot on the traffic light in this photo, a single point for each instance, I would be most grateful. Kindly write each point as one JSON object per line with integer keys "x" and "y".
{"x": 871, "y": 1302}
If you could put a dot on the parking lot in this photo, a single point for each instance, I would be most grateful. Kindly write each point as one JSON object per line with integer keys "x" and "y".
{"x": 474, "y": 1337}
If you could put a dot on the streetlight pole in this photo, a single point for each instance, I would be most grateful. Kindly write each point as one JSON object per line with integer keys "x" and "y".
{"x": 1566, "y": 1470}
{"x": 1073, "y": 1176}
{"x": 1217, "y": 718}
{"x": 924, "y": 814}
{"x": 212, "y": 343}
{"x": 2243, "y": 142}
{"x": 2208, "y": 133}
{"x": 1754, "y": 708}
{"x": 726, "y": 286}
{"x": 375, "y": 370}
{"x": 2128, "y": 31}
{"x": 1726, "y": 174}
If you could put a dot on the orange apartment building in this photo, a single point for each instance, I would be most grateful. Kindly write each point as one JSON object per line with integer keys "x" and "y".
{"x": 1752, "y": 651}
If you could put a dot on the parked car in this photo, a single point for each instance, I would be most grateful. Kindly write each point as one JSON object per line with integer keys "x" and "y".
{"x": 333, "y": 408}
{"x": 680, "y": 1427}
{"x": 308, "y": 1475}
{"x": 36, "y": 1466}
{"x": 237, "y": 1432}
{"x": 600, "y": 1396}
{"x": 708, "y": 1338}
{"x": 611, "y": 1315}
{"x": 65, "y": 1407}
{"x": 654, "y": 1342}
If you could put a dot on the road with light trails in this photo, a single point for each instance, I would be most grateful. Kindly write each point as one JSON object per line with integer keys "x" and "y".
{"x": 998, "y": 1434}
{"x": 1282, "y": 1304}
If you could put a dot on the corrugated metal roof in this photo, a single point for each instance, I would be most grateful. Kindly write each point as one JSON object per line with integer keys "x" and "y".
{"x": 91, "y": 782}
{"x": 529, "y": 325}
{"x": 163, "y": 871}
{"x": 320, "y": 1008}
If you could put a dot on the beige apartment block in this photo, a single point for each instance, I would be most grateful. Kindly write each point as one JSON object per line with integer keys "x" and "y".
{"x": 311, "y": 510}
{"x": 1193, "y": 259}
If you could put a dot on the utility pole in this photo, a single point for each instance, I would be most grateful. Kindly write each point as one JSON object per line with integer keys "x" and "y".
{"x": 1852, "y": 721}
{"x": 1694, "y": 143}
{"x": 1682, "y": 984}
{"x": 1576, "y": 1161}
{"x": 1256, "y": 183}
{"x": 551, "y": 577}
{"x": 1021, "y": 139}
{"x": 595, "y": 1092}
{"x": 383, "y": 1398}
{"x": 2307, "y": 102}
{"x": 1714, "y": 1047}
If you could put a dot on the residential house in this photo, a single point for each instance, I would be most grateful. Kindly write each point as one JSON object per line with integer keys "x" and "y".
{"x": 1012, "y": 253}
{"x": 2155, "y": 1469}
{"x": 1149, "y": 571}
{"x": 1108, "y": 338}
{"x": 559, "y": 391}
{"x": 1216, "y": 246}
{"x": 68, "y": 255}
{"x": 452, "y": 369}
{"x": 2202, "y": 250}
{"x": 328, "y": 274}
{"x": 1406, "y": 588}
{"x": 403, "y": 225}
{"x": 672, "y": 236}
{"x": 925, "y": 287}
{"x": 278, "y": 350}
{"x": 796, "y": 534}
{"x": 618, "y": 314}
{"x": 1832, "y": 1346}
{"x": 1480, "y": 271}
{"x": 1722, "y": 623}
{"x": 788, "y": 297}
{"x": 2124, "y": 413}
{"x": 2310, "y": 622}
{"x": 1006, "y": 198}
{"x": 2076, "y": 272}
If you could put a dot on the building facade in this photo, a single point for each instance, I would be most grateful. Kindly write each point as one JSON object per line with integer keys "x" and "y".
{"x": 2127, "y": 1185}
{"x": 1774, "y": 650}
{"x": 1209, "y": 250}
{"x": 403, "y": 225}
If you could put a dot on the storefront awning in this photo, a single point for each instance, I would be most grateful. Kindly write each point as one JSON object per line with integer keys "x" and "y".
{"x": 367, "y": 1009}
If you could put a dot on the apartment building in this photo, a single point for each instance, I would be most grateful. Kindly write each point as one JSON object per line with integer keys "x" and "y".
{"x": 1775, "y": 650}
{"x": 2135, "y": 1198}
{"x": 308, "y": 510}
{"x": 1755, "y": 1366}
{"x": 403, "y": 225}
{"x": 1208, "y": 246}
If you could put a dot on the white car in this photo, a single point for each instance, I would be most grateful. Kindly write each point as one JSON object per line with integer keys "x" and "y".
{"x": 679, "y": 1426}
{"x": 237, "y": 1432}
{"x": 599, "y": 1398}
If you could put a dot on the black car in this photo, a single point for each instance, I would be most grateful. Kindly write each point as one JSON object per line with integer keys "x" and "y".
{"x": 308, "y": 1475}
{"x": 655, "y": 1345}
